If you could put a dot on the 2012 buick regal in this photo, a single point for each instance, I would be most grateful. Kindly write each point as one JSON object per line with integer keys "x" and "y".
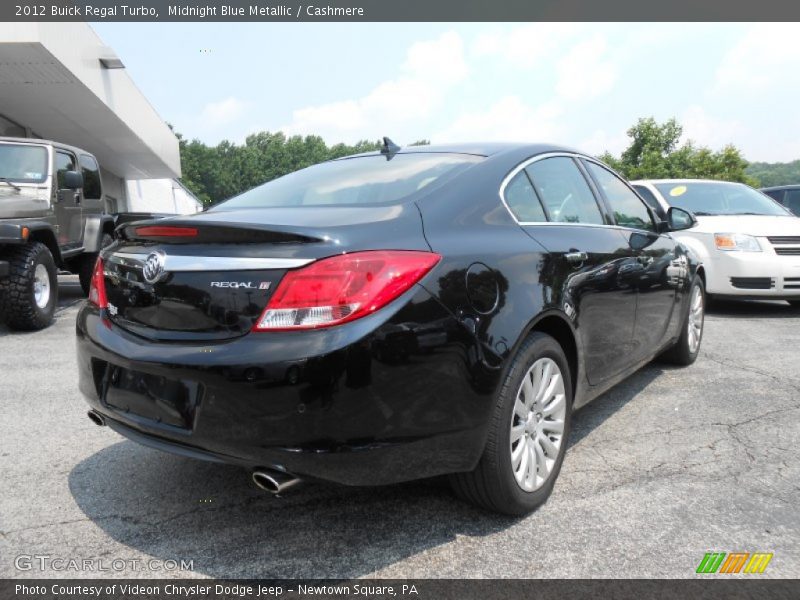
{"x": 390, "y": 316}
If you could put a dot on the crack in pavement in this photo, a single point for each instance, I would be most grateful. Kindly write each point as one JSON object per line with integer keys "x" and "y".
{"x": 785, "y": 381}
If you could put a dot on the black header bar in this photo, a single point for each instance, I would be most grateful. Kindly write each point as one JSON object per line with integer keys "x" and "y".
{"x": 355, "y": 11}
{"x": 710, "y": 587}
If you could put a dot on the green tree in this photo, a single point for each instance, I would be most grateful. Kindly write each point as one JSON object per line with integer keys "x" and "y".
{"x": 770, "y": 174}
{"x": 655, "y": 152}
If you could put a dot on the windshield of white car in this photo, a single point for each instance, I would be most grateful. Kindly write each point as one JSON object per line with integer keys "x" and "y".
{"x": 358, "y": 181}
{"x": 23, "y": 163}
{"x": 710, "y": 198}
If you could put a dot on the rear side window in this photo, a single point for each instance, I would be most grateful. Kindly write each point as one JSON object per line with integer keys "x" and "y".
{"x": 64, "y": 162}
{"x": 522, "y": 200}
{"x": 355, "y": 181}
{"x": 91, "y": 178}
{"x": 564, "y": 191}
{"x": 629, "y": 209}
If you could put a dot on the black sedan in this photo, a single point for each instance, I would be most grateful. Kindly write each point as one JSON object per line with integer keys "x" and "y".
{"x": 390, "y": 316}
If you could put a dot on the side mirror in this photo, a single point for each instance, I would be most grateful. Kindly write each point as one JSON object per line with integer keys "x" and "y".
{"x": 679, "y": 219}
{"x": 640, "y": 241}
{"x": 73, "y": 180}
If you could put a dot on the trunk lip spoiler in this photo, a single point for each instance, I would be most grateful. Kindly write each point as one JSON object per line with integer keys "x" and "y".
{"x": 181, "y": 263}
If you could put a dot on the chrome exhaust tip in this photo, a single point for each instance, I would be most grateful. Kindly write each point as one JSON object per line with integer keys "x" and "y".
{"x": 274, "y": 482}
{"x": 96, "y": 418}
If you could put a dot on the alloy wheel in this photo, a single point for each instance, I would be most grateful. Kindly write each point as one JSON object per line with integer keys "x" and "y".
{"x": 537, "y": 424}
{"x": 41, "y": 286}
{"x": 695, "y": 320}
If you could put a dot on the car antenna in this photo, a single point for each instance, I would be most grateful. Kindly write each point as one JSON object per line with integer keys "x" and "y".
{"x": 389, "y": 148}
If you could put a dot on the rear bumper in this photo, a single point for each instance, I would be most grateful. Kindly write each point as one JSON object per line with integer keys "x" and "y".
{"x": 368, "y": 403}
{"x": 754, "y": 274}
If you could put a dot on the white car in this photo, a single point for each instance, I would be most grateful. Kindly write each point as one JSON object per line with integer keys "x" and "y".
{"x": 748, "y": 243}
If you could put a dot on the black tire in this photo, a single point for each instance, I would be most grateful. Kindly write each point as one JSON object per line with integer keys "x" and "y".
{"x": 492, "y": 484}
{"x": 86, "y": 266}
{"x": 681, "y": 353}
{"x": 17, "y": 301}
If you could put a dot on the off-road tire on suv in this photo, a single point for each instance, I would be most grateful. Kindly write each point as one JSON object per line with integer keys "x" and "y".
{"x": 18, "y": 306}
{"x": 86, "y": 267}
{"x": 492, "y": 485}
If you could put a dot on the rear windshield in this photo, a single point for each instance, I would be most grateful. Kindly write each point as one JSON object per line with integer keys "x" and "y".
{"x": 723, "y": 198}
{"x": 355, "y": 181}
{"x": 23, "y": 163}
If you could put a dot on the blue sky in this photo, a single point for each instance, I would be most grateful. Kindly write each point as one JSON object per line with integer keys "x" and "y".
{"x": 578, "y": 84}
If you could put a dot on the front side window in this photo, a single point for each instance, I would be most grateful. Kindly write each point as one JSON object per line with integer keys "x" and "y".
{"x": 64, "y": 162}
{"x": 522, "y": 200}
{"x": 628, "y": 208}
{"x": 651, "y": 200}
{"x": 355, "y": 181}
{"x": 91, "y": 178}
{"x": 564, "y": 191}
{"x": 23, "y": 163}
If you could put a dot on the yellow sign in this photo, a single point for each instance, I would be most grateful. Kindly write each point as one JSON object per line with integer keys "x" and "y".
{"x": 678, "y": 190}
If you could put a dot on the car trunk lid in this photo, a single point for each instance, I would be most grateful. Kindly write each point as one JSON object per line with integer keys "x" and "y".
{"x": 210, "y": 276}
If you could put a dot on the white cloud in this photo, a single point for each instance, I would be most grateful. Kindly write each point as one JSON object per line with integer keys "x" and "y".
{"x": 508, "y": 119}
{"x": 576, "y": 84}
{"x": 758, "y": 81}
{"x": 439, "y": 60}
{"x": 601, "y": 141}
{"x": 715, "y": 132}
{"x": 585, "y": 71}
{"x": 215, "y": 114}
{"x": 708, "y": 130}
{"x": 765, "y": 57}
{"x": 527, "y": 45}
{"x": 430, "y": 70}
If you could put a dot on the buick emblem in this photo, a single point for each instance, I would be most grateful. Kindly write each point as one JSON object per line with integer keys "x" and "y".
{"x": 153, "y": 267}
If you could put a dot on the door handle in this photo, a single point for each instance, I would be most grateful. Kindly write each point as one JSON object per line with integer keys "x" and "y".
{"x": 576, "y": 257}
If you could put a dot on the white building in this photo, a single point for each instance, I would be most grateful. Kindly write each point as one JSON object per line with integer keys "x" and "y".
{"x": 161, "y": 196}
{"x": 59, "y": 81}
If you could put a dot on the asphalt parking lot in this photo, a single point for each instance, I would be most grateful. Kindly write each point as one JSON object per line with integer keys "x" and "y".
{"x": 669, "y": 465}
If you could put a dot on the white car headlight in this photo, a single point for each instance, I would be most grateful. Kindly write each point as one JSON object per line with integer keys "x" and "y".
{"x": 736, "y": 242}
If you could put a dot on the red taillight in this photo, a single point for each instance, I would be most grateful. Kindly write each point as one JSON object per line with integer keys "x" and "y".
{"x": 343, "y": 288}
{"x": 97, "y": 286}
{"x": 165, "y": 231}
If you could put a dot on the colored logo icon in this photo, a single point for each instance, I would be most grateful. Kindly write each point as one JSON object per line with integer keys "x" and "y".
{"x": 734, "y": 562}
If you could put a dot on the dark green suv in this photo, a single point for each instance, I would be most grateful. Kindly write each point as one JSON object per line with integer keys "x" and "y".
{"x": 52, "y": 218}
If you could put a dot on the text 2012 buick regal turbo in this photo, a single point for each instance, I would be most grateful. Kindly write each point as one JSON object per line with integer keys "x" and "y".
{"x": 390, "y": 316}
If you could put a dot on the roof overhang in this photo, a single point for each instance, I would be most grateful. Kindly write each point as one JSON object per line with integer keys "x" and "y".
{"x": 52, "y": 80}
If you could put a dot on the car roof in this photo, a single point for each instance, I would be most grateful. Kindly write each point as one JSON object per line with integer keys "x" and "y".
{"x": 481, "y": 149}
{"x": 682, "y": 181}
{"x": 781, "y": 187}
{"x": 39, "y": 141}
